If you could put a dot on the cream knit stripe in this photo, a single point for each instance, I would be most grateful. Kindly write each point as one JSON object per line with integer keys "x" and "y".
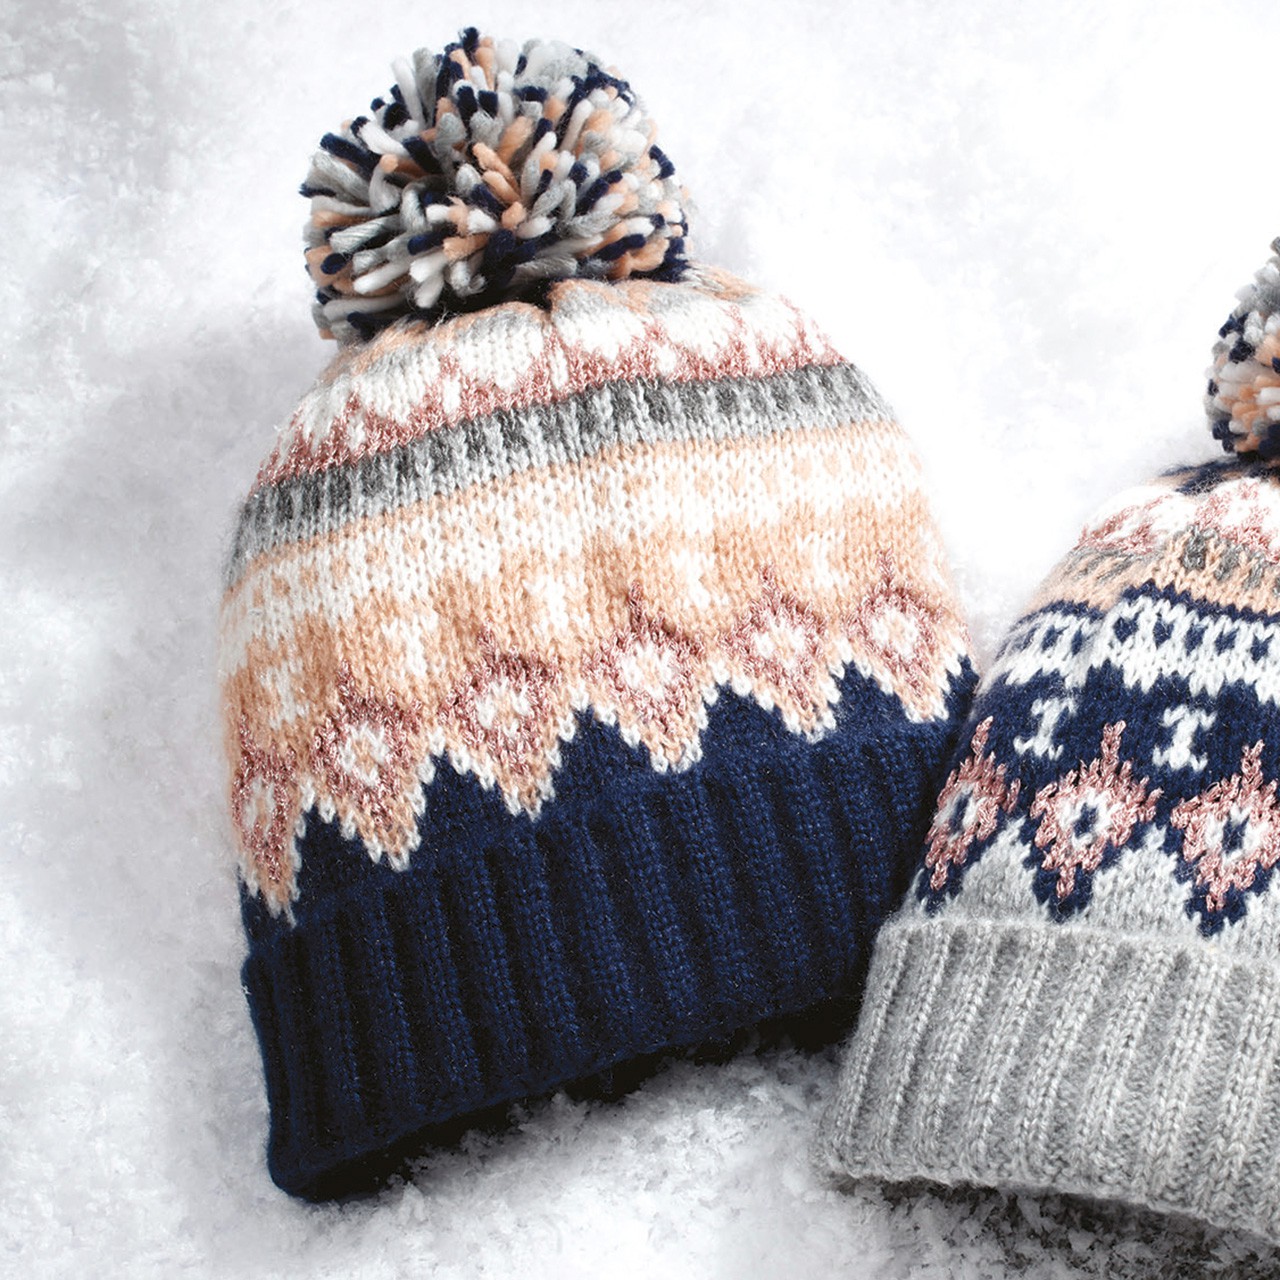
{"x": 713, "y": 315}
{"x": 674, "y": 503}
{"x": 410, "y": 382}
{"x": 1204, "y": 647}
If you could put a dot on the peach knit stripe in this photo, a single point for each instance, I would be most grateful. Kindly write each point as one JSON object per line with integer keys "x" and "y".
{"x": 694, "y": 522}
{"x": 1211, "y": 568}
{"x": 502, "y": 444}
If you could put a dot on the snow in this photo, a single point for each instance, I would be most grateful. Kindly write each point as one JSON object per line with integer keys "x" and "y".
{"x": 1025, "y": 222}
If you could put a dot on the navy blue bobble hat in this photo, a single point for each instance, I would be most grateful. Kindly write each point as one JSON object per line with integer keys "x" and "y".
{"x": 588, "y": 661}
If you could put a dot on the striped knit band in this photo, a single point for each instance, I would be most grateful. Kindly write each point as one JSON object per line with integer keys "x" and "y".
{"x": 589, "y": 658}
{"x": 504, "y": 443}
{"x": 1003, "y": 1054}
{"x": 468, "y": 535}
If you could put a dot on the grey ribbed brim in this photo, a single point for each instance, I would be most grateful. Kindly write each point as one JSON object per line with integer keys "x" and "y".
{"x": 1060, "y": 1059}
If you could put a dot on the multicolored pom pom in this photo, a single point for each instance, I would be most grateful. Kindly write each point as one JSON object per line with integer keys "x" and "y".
{"x": 491, "y": 172}
{"x": 1243, "y": 398}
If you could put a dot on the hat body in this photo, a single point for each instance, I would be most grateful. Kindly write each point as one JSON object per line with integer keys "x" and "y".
{"x": 1082, "y": 993}
{"x": 589, "y": 668}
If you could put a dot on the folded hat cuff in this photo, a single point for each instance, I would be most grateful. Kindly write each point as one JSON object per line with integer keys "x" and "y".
{"x": 664, "y": 912}
{"x": 1061, "y": 1059}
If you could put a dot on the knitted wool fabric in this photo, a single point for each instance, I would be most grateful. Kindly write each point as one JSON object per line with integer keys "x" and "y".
{"x": 1082, "y": 993}
{"x": 589, "y": 663}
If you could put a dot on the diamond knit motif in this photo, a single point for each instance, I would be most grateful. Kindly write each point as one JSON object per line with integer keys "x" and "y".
{"x": 1230, "y": 842}
{"x": 1086, "y": 819}
{"x": 970, "y": 806}
{"x": 589, "y": 659}
{"x": 1084, "y": 998}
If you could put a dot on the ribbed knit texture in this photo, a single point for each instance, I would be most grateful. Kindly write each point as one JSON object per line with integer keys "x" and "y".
{"x": 589, "y": 660}
{"x": 513, "y": 956}
{"x": 1097, "y": 1064}
{"x": 1082, "y": 992}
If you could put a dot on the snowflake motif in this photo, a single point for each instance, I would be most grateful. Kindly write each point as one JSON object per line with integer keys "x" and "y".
{"x": 1131, "y": 530}
{"x": 652, "y": 678}
{"x": 1242, "y": 513}
{"x": 1086, "y": 819}
{"x": 780, "y": 647}
{"x": 969, "y": 809}
{"x": 365, "y": 754}
{"x": 508, "y": 720}
{"x": 899, "y": 634}
{"x": 1230, "y": 842}
{"x": 264, "y": 804}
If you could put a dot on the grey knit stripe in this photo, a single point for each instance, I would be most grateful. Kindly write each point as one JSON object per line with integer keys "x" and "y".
{"x": 880, "y": 1087}
{"x": 1249, "y": 1069}
{"x": 1074, "y": 1006}
{"x": 919, "y": 995}
{"x": 998, "y": 1055}
{"x": 1261, "y": 1170}
{"x": 1169, "y": 1073}
{"x": 569, "y": 430}
{"x": 1114, "y": 1059}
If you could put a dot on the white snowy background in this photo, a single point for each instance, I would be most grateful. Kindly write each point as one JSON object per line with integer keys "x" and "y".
{"x": 1024, "y": 220}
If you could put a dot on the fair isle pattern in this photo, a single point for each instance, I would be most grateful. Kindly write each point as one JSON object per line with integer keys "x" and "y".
{"x": 1085, "y": 820}
{"x": 1212, "y": 531}
{"x": 1169, "y": 609}
{"x": 1231, "y": 838}
{"x": 972, "y": 799}
{"x": 644, "y": 495}
{"x": 414, "y": 379}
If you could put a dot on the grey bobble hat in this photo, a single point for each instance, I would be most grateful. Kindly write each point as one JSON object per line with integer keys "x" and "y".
{"x": 1081, "y": 993}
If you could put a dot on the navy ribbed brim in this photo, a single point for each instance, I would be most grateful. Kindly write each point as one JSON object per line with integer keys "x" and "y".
{"x": 515, "y": 955}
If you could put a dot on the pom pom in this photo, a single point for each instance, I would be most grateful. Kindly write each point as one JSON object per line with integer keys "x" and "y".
{"x": 489, "y": 172}
{"x": 1243, "y": 399}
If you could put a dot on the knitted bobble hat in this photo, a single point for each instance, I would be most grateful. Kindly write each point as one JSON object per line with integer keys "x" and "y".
{"x": 1082, "y": 992}
{"x": 589, "y": 664}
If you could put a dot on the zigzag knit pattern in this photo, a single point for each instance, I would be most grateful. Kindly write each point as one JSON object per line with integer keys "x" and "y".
{"x": 454, "y": 565}
{"x": 1133, "y": 717}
